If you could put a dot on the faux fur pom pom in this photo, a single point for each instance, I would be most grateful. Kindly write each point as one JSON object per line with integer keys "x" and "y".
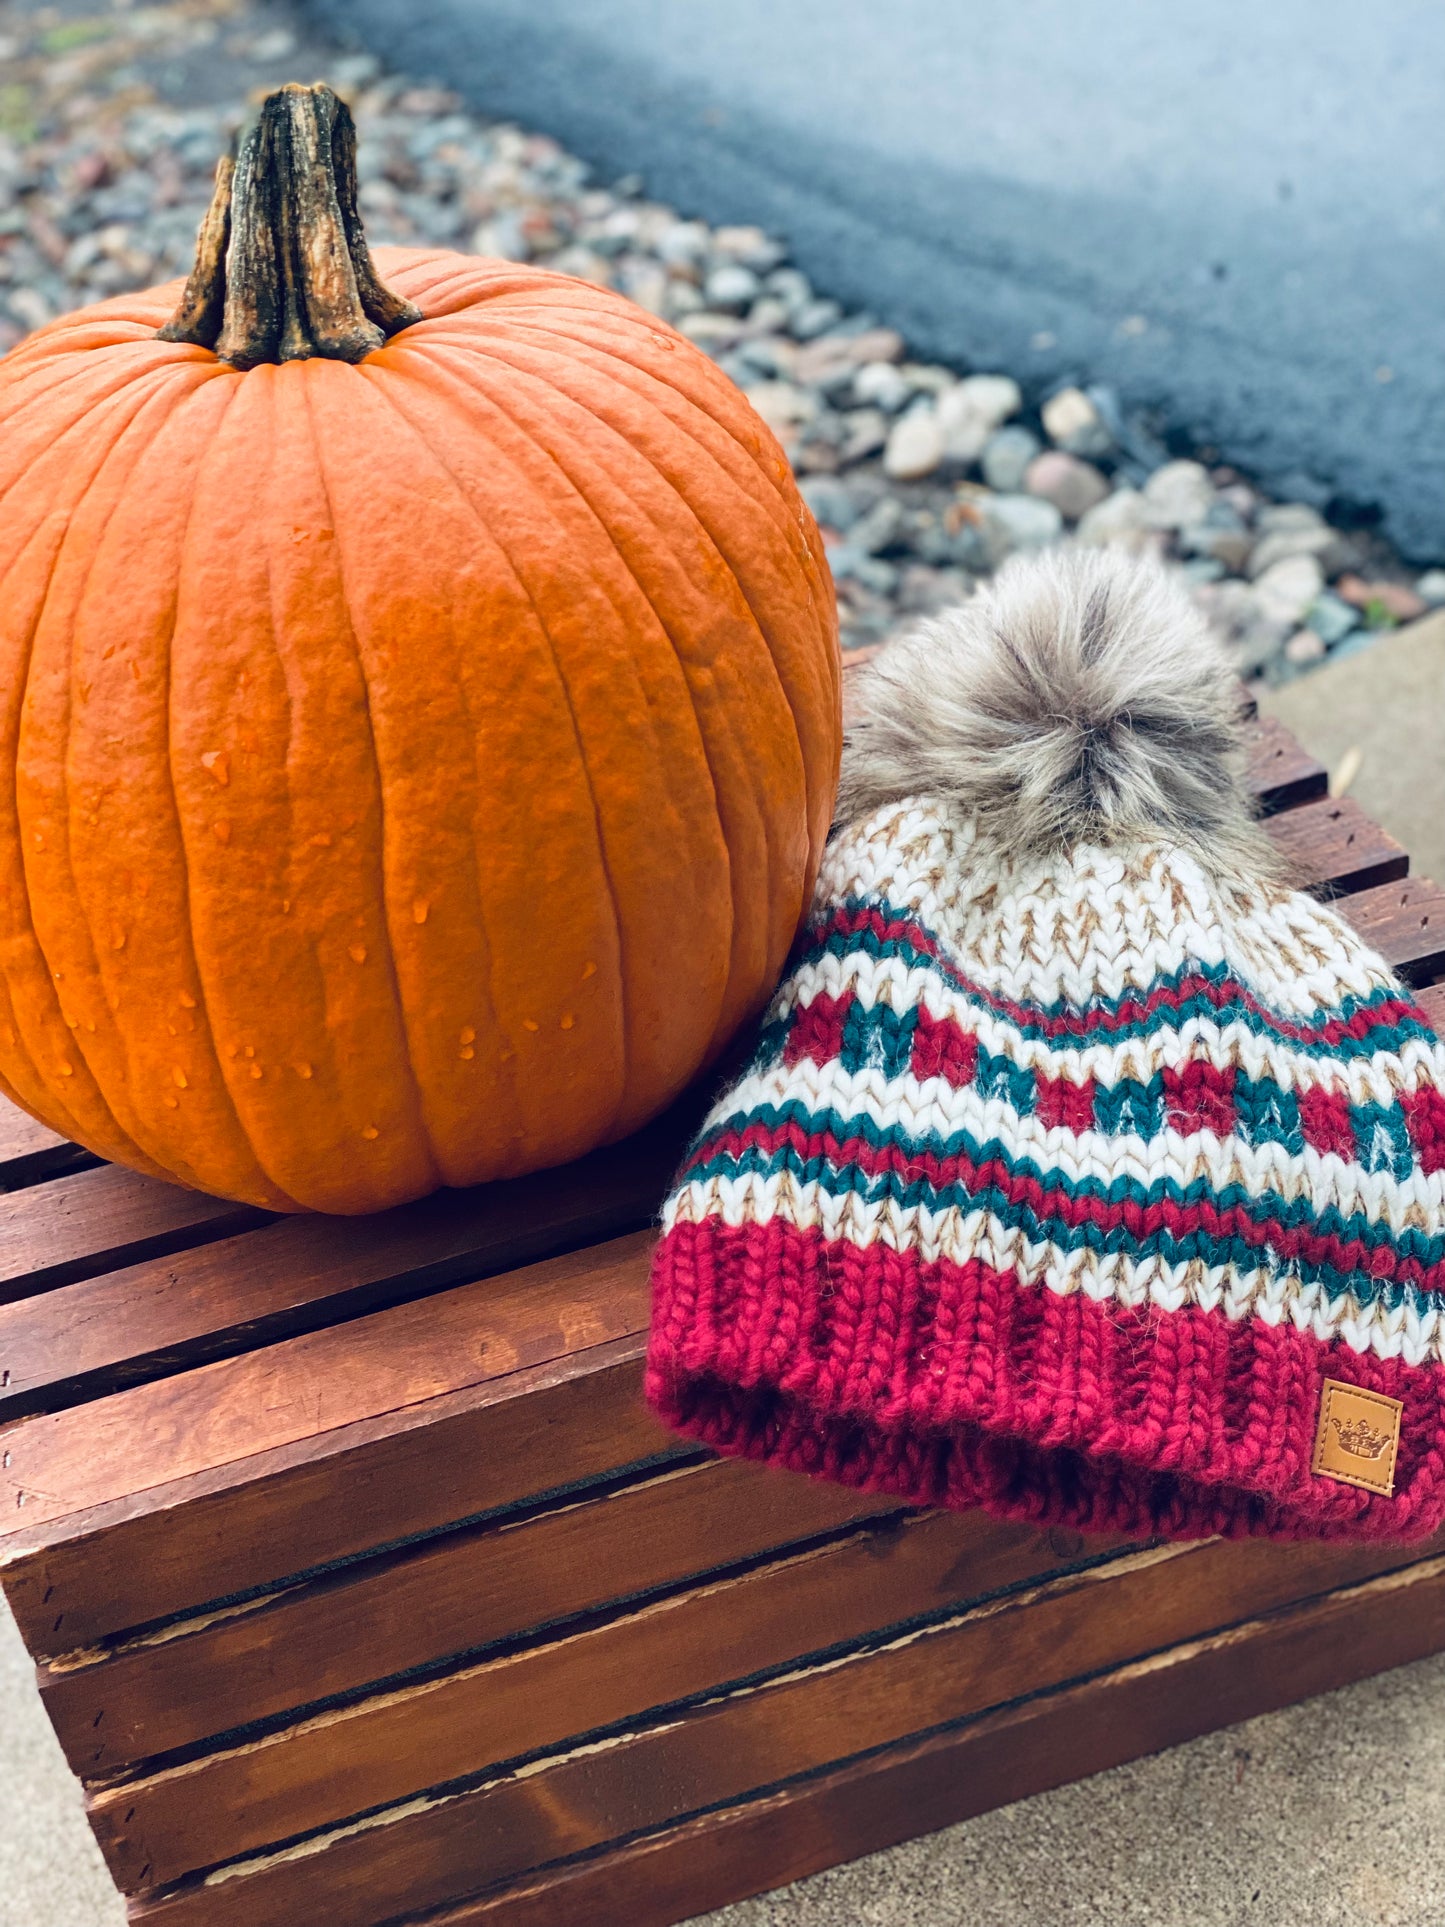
{"x": 1079, "y": 698}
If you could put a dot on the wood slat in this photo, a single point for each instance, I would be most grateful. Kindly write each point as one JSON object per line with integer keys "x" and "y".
{"x": 1333, "y": 847}
{"x": 245, "y": 1473}
{"x": 1280, "y": 772}
{"x": 383, "y": 1750}
{"x": 439, "y": 1602}
{"x": 77, "y": 1226}
{"x": 970, "y": 1768}
{"x": 30, "y": 1151}
{"x": 1432, "y": 1002}
{"x": 150, "y": 1319}
{"x": 429, "y": 1851}
{"x": 1405, "y": 923}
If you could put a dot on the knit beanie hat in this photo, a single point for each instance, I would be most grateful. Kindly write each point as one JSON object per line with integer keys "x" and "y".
{"x": 1085, "y": 1171}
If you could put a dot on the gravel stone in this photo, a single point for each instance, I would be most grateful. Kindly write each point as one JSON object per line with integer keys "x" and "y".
{"x": 1178, "y": 495}
{"x": 915, "y": 445}
{"x": 969, "y": 411}
{"x": 1006, "y": 457}
{"x": 1394, "y": 599}
{"x": 1431, "y": 588}
{"x": 1331, "y": 618}
{"x": 882, "y": 384}
{"x": 1072, "y": 421}
{"x": 815, "y": 318}
{"x": 1072, "y": 485}
{"x": 1277, "y": 544}
{"x": 731, "y": 288}
{"x": 1121, "y": 518}
{"x": 1287, "y": 589}
{"x": 832, "y": 502}
{"x": 1011, "y": 522}
{"x": 878, "y": 528}
{"x": 1303, "y": 647}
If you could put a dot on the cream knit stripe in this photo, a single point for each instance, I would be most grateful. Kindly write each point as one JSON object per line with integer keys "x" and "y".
{"x": 1413, "y": 1330}
{"x": 892, "y": 982}
{"x": 906, "y": 1111}
{"x": 1074, "y": 926}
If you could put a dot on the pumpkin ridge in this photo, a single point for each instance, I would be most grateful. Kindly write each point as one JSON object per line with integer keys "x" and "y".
{"x": 464, "y": 496}
{"x": 771, "y": 499}
{"x": 287, "y": 1202}
{"x": 708, "y": 749}
{"x": 624, "y": 371}
{"x": 611, "y": 370}
{"x": 152, "y": 401}
{"x": 419, "y": 1101}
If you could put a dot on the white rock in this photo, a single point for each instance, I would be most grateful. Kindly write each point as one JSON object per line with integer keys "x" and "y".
{"x": 1072, "y": 421}
{"x": 971, "y": 410}
{"x": 1304, "y": 646}
{"x": 1010, "y": 522}
{"x": 1007, "y": 456}
{"x": 731, "y": 288}
{"x": 1279, "y": 544}
{"x": 1178, "y": 495}
{"x": 914, "y": 447}
{"x": 1285, "y": 591}
{"x": 1120, "y": 518}
{"x": 1430, "y": 587}
{"x": 782, "y": 406}
{"x": 882, "y": 385}
{"x": 1275, "y": 517}
{"x": 1072, "y": 485}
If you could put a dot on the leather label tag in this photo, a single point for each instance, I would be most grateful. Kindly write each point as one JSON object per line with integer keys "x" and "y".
{"x": 1358, "y": 1437}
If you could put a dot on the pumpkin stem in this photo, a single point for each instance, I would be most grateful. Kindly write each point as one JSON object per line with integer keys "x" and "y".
{"x": 282, "y": 267}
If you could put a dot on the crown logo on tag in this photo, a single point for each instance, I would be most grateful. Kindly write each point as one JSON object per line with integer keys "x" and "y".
{"x": 1358, "y": 1437}
{"x": 1359, "y": 1441}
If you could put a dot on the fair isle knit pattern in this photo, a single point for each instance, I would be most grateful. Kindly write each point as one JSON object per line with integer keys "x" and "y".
{"x": 1059, "y": 1186}
{"x": 1083, "y": 1171}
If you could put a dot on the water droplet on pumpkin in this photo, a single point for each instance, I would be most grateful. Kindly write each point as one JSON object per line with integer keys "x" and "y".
{"x": 219, "y": 764}
{"x": 256, "y": 1071}
{"x": 39, "y": 840}
{"x": 468, "y": 1036}
{"x": 357, "y": 953}
{"x": 285, "y": 906}
{"x": 188, "y": 1002}
{"x": 179, "y": 1079}
{"x": 568, "y": 1020}
{"x": 71, "y": 1022}
{"x": 172, "y": 1029}
{"x": 221, "y": 830}
{"x": 302, "y": 1069}
{"x": 321, "y": 840}
{"x": 588, "y": 970}
{"x": 529, "y": 1023}
{"x": 231, "y": 1049}
{"x": 172, "y": 1103}
{"x": 467, "y": 1053}
{"x": 419, "y": 909}
{"x": 370, "y": 1131}
{"x": 67, "y": 1069}
{"x": 117, "y": 937}
{"x": 250, "y": 1050}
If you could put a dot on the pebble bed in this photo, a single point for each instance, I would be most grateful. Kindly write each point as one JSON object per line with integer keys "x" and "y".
{"x": 924, "y": 478}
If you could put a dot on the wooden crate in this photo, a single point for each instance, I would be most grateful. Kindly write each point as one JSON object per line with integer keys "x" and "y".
{"x": 363, "y": 1589}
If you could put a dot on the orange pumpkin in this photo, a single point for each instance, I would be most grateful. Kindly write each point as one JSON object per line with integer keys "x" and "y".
{"x": 417, "y": 751}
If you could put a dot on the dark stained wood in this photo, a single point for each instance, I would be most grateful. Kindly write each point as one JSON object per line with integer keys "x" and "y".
{"x": 255, "y": 1469}
{"x": 294, "y": 1275}
{"x": 1066, "y": 1629}
{"x": 1333, "y": 847}
{"x": 30, "y": 1151}
{"x": 1405, "y": 922}
{"x": 78, "y": 1226}
{"x": 382, "y": 1750}
{"x": 972, "y": 1767}
{"x": 1280, "y": 772}
{"x": 435, "y": 1603}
